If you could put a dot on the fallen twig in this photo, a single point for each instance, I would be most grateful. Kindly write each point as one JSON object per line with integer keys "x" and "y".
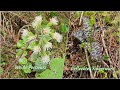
{"x": 105, "y": 64}
{"x": 88, "y": 63}
{"x": 104, "y": 45}
{"x": 119, "y": 55}
{"x": 81, "y": 18}
{"x": 0, "y": 19}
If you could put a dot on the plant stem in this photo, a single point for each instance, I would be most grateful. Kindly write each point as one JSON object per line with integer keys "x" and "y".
{"x": 81, "y": 17}
{"x": 104, "y": 45}
{"x": 88, "y": 63}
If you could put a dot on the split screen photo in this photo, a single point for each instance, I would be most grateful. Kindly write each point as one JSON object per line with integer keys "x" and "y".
{"x": 60, "y": 44}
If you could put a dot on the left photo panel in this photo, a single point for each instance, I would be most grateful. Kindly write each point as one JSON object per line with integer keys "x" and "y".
{"x": 33, "y": 44}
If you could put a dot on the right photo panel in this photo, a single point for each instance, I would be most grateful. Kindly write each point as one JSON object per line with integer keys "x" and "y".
{"x": 93, "y": 45}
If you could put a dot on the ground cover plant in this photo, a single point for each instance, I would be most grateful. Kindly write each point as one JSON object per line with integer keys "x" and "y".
{"x": 56, "y": 45}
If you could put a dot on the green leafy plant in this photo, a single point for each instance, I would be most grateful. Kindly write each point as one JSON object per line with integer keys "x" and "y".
{"x": 105, "y": 57}
{"x": 77, "y": 14}
{"x": 117, "y": 72}
{"x": 63, "y": 28}
{"x": 1, "y": 70}
{"x": 39, "y": 42}
{"x": 101, "y": 71}
{"x": 55, "y": 69}
{"x": 92, "y": 20}
{"x": 117, "y": 35}
{"x": 52, "y": 14}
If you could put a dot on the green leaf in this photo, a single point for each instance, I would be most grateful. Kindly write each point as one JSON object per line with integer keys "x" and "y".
{"x": 89, "y": 13}
{"x": 24, "y": 54}
{"x": 32, "y": 44}
{"x": 118, "y": 71}
{"x": 20, "y": 44}
{"x": 27, "y": 70}
{"x": 52, "y": 14}
{"x": 63, "y": 28}
{"x": 25, "y": 39}
{"x": 19, "y": 51}
{"x": 101, "y": 71}
{"x": 105, "y": 57}
{"x": 56, "y": 65}
{"x": 105, "y": 13}
{"x": 116, "y": 33}
{"x": 1, "y": 70}
{"x": 114, "y": 75}
{"x": 39, "y": 13}
{"x": 47, "y": 74}
{"x": 23, "y": 60}
{"x": 77, "y": 14}
{"x": 38, "y": 27}
{"x": 33, "y": 57}
{"x": 44, "y": 39}
{"x": 39, "y": 66}
{"x": 56, "y": 69}
{"x": 30, "y": 34}
{"x": 107, "y": 19}
{"x": 47, "y": 38}
{"x": 92, "y": 20}
{"x": 82, "y": 45}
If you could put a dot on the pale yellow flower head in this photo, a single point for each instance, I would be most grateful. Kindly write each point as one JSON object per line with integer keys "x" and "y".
{"x": 45, "y": 59}
{"x": 36, "y": 49}
{"x": 57, "y": 36}
{"x": 54, "y": 21}
{"x": 37, "y": 20}
{"x": 47, "y": 46}
{"x": 24, "y": 32}
{"x": 46, "y": 30}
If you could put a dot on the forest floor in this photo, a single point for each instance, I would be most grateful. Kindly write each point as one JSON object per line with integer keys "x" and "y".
{"x": 77, "y": 56}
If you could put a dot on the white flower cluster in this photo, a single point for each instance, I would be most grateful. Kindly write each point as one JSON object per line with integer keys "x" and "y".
{"x": 46, "y": 30}
{"x": 47, "y": 46}
{"x": 36, "y": 49}
{"x": 57, "y": 36}
{"x": 45, "y": 59}
{"x": 54, "y": 21}
{"x": 38, "y": 20}
{"x": 24, "y": 32}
